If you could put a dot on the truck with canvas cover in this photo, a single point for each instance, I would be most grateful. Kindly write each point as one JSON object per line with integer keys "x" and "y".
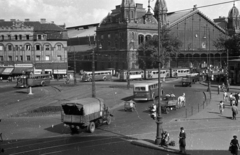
{"x": 85, "y": 113}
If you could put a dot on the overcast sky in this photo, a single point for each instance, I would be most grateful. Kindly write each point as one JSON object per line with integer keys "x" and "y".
{"x": 80, "y": 12}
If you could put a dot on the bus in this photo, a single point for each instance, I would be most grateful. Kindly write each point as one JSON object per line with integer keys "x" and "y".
{"x": 33, "y": 80}
{"x": 99, "y": 75}
{"x": 153, "y": 73}
{"x": 136, "y": 74}
{"x": 145, "y": 91}
{"x": 180, "y": 72}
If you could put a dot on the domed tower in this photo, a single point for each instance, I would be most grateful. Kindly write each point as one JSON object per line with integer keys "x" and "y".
{"x": 161, "y": 9}
{"x": 233, "y": 19}
{"x": 128, "y": 8}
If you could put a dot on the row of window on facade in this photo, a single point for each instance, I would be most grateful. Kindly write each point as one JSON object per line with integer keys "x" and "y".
{"x": 28, "y": 58}
{"x": 21, "y": 37}
{"x": 28, "y": 47}
{"x": 141, "y": 39}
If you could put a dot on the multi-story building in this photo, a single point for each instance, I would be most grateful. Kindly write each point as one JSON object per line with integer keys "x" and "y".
{"x": 120, "y": 34}
{"x": 129, "y": 25}
{"x": 35, "y": 46}
{"x": 231, "y": 24}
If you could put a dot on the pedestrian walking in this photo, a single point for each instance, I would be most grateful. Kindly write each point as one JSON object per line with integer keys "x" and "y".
{"x": 219, "y": 87}
{"x": 221, "y": 107}
{"x": 231, "y": 99}
{"x": 234, "y": 111}
{"x": 237, "y": 98}
{"x": 234, "y": 146}
{"x": 225, "y": 96}
{"x": 182, "y": 141}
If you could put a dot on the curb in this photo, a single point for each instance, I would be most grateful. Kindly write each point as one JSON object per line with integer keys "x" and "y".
{"x": 153, "y": 146}
{"x": 214, "y": 86}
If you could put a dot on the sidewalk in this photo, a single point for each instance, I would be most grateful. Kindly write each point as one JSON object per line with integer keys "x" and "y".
{"x": 208, "y": 132}
{"x": 231, "y": 87}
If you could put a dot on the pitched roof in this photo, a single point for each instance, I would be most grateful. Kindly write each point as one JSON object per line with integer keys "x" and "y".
{"x": 54, "y": 31}
{"x": 36, "y": 25}
{"x": 177, "y": 17}
{"x": 82, "y": 32}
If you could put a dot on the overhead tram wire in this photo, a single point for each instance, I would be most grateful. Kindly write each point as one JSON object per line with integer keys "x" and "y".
{"x": 204, "y": 6}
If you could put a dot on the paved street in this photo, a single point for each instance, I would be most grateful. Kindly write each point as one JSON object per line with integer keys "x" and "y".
{"x": 47, "y": 133}
{"x": 130, "y": 132}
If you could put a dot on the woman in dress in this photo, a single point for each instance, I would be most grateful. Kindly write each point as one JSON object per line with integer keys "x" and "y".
{"x": 234, "y": 145}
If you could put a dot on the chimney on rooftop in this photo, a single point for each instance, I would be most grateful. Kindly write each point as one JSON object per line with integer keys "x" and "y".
{"x": 27, "y": 20}
{"x": 194, "y": 7}
{"x": 43, "y": 20}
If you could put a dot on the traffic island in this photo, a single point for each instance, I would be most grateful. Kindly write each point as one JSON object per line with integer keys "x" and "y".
{"x": 150, "y": 144}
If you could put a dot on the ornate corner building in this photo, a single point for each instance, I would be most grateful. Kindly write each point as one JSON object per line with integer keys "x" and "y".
{"x": 232, "y": 26}
{"x": 37, "y": 46}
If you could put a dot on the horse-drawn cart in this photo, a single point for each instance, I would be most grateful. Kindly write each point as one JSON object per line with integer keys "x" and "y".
{"x": 169, "y": 102}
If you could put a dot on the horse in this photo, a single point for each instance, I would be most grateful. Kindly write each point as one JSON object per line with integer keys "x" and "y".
{"x": 181, "y": 101}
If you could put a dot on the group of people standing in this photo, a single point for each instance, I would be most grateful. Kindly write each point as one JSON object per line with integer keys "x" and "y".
{"x": 233, "y": 100}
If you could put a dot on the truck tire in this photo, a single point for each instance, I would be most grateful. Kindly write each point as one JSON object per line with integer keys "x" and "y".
{"x": 91, "y": 127}
{"x": 43, "y": 83}
{"x": 73, "y": 129}
{"x": 109, "y": 120}
{"x": 104, "y": 78}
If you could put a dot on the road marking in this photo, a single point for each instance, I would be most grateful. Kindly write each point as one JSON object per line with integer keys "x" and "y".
{"x": 82, "y": 147}
{"x": 69, "y": 144}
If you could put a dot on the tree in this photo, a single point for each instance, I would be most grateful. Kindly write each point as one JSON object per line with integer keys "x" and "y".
{"x": 148, "y": 51}
{"x": 230, "y": 44}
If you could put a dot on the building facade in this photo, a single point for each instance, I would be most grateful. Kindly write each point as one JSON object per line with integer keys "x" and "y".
{"x": 35, "y": 46}
{"x": 129, "y": 25}
{"x": 231, "y": 24}
{"x": 119, "y": 36}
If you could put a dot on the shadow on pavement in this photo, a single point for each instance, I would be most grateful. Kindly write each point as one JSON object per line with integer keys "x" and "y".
{"x": 22, "y": 91}
{"x": 59, "y": 128}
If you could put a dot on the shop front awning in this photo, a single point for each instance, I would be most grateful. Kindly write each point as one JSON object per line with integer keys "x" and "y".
{"x": 20, "y": 70}
{"x": 60, "y": 71}
{"x": 7, "y": 71}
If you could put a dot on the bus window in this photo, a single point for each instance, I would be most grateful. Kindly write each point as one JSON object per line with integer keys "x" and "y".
{"x": 140, "y": 88}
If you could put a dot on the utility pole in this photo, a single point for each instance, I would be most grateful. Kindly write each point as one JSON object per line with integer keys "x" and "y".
{"x": 75, "y": 80}
{"x": 159, "y": 112}
{"x": 227, "y": 69}
{"x": 128, "y": 71}
{"x": 93, "y": 74}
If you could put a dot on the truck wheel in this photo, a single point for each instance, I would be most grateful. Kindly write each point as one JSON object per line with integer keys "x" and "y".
{"x": 91, "y": 127}
{"x": 74, "y": 129}
{"x": 104, "y": 79}
{"x": 109, "y": 120}
{"x": 43, "y": 84}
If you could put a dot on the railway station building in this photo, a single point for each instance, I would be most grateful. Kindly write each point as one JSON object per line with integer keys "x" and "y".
{"x": 120, "y": 34}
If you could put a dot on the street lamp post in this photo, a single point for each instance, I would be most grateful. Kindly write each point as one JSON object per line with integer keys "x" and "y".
{"x": 75, "y": 80}
{"x": 128, "y": 71}
{"x": 93, "y": 71}
{"x": 93, "y": 74}
{"x": 159, "y": 112}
